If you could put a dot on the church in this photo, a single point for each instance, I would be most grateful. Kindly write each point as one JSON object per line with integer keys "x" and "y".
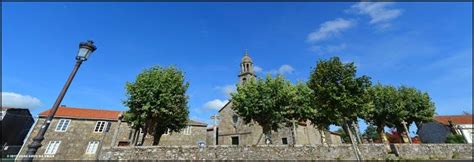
{"x": 232, "y": 130}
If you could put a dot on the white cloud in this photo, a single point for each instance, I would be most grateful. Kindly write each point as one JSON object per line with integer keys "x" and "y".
{"x": 284, "y": 69}
{"x": 227, "y": 89}
{"x": 330, "y": 29}
{"x": 215, "y": 104}
{"x": 377, "y": 11}
{"x": 11, "y": 99}
{"x": 257, "y": 69}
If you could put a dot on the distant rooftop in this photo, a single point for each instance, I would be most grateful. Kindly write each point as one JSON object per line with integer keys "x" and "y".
{"x": 455, "y": 119}
{"x": 82, "y": 113}
{"x": 98, "y": 114}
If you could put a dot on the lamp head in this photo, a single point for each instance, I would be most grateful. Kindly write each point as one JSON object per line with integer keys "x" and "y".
{"x": 85, "y": 49}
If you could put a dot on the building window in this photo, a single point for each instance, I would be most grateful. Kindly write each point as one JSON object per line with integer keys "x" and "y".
{"x": 235, "y": 119}
{"x": 284, "y": 141}
{"x": 52, "y": 147}
{"x": 100, "y": 126}
{"x": 187, "y": 130}
{"x": 235, "y": 140}
{"x": 62, "y": 125}
{"x": 92, "y": 147}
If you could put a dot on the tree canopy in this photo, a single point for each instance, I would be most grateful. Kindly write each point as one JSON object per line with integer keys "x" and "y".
{"x": 263, "y": 101}
{"x": 417, "y": 104}
{"x": 338, "y": 94}
{"x": 300, "y": 108}
{"x": 388, "y": 108}
{"x": 157, "y": 101}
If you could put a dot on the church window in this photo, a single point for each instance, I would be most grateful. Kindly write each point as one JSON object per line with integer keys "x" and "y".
{"x": 247, "y": 67}
{"x": 284, "y": 141}
{"x": 235, "y": 119}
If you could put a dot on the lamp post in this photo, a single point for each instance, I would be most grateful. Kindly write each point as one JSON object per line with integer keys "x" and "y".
{"x": 85, "y": 49}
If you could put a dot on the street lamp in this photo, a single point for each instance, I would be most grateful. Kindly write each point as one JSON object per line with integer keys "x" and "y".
{"x": 85, "y": 49}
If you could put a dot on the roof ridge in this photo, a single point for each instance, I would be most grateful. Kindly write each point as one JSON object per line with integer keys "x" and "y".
{"x": 82, "y": 109}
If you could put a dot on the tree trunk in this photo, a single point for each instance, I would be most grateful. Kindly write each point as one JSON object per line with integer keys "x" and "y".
{"x": 401, "y": 131}
{"x": 382, "y": 135}
{"x": 418, "y": 126}
{"x": 356, "y": 131}
{"x": 157, "y": 136}
{"x": 351, "y": 138}
{"x": 268, "y": 134}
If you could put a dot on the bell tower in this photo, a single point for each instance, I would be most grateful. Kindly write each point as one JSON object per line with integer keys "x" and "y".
{"x": 246, "y": 69}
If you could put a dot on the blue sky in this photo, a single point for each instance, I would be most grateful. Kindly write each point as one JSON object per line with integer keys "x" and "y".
{"x": 425, "y": 45}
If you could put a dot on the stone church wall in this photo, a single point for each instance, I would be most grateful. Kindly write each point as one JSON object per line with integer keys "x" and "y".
{"x": 283, "y": 152}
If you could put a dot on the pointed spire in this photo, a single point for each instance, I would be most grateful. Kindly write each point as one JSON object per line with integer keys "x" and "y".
{"x": 246, "y": 52}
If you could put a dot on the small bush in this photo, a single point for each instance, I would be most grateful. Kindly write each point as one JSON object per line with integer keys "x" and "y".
{"x": 455, "y": 138}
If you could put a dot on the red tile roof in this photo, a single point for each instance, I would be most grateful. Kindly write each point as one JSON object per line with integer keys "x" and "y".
{"x": 81, "y": 113}
{"x": 456, "y": 119}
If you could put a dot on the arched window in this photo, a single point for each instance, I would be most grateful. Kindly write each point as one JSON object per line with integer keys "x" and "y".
{"x": 244, "y": 79}
{"x": 235, "y": 119}
{"x": 247, "y": 66}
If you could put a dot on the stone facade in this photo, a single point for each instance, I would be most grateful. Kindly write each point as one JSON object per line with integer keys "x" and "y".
{"x": 232, "y": 126}
{"x": 74, "y": 140}
{"x": 81, "y": 129}
{"x": 298, "y": 152}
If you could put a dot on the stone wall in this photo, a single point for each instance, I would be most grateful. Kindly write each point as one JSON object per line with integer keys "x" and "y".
{"x": 197, "y": 134}
{"x": 283, "y": 152}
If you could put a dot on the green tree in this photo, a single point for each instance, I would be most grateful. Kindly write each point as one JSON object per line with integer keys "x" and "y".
{"x": 416, "y": 105}
{"x": 263, "y": 101}
{"x": 454, "y": 138}
{"x": 388, "y": 108}
{"x": 343, "y": 134}
{"x": 339, "y": 95}
{"x": 371, "y": 133}
{"x": 299, "y": 109}
{"x": 157, "y": 101}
